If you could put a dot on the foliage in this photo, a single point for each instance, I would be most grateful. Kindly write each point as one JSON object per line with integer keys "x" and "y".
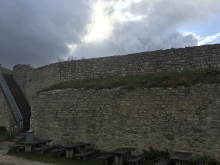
{"x": 209, "y": 160}
{"x": 4, "y": 136}
{"x": 47, "y": 157}
{"x": 171, "y": 79}
{"x": 155, "y": 155}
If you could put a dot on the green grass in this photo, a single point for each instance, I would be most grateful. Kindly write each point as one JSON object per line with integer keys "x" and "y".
{"x": 4, "y": 137}
{"x": 171, "y": 79}
{"x": 152, "y": 157}
{"x": 209, "y": 160}
{"x": 48, "y": 158}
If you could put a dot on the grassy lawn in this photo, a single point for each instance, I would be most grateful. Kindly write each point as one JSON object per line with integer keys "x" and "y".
{"x": 48, "y": 158}
{"x": 3, "y": 137}
{"x": 171, "y": 79}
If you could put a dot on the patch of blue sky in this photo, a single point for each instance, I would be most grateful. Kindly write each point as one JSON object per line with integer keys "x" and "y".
{"x": 211, "y": 27}
{"x": 130, "y": 16}
{"x": 207, "y": 33}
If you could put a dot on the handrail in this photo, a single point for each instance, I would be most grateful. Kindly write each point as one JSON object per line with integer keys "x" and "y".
{"x": 16, "y": 123}
{"x": 15, "y": 128}
{"x": 12, "y": 103}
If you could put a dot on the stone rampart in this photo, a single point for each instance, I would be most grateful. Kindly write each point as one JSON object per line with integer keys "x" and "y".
{"x": 190, "y": 58}
{"x": 6, "y": 116}
{"x": 177, "y": 119}
{"x": 5, "y": 71}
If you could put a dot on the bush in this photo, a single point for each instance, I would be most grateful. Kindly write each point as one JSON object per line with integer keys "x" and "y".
{"x": 209, "y": 160}
{"x": 155, "y": 155}
{"x": 4, "y": 136}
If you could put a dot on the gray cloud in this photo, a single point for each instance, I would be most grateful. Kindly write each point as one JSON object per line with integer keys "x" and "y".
{"x": 37, "y": 32}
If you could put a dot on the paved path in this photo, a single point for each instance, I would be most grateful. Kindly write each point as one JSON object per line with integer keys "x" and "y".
{"x": 11, "y": 160}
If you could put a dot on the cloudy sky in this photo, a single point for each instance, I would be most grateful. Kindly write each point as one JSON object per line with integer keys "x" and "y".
{"x": 39, "y": 32}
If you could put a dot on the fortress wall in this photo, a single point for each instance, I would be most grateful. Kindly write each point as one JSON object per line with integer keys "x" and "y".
{"x": 177, "y": 119}
{"x": 33, "y": 80}
{"x": 6, "y": 116}
{"x": 5, "y": 71}
{"x": 189, "y": 58}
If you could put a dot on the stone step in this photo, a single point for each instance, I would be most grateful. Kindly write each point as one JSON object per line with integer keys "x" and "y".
{"x": 19, "y": 137}
{"x": 15, "y": 140}
{"x": 22, "y": 134}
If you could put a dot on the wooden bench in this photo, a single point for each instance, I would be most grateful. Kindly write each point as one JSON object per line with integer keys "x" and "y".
{"x": 42, "y": 149}
{"x": 58, "y": 152}
{"x": 163, "y": 161}
{"x": 136, "y": 159}
{"x": 17, "y": 147}
{"x": 107, "y": 158}
{"x": 181, "y": 158}
{"x": 201, "y": 163}
{"x": 87, "y": 153}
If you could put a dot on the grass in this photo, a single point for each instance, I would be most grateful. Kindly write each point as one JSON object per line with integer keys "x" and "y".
{"x": 171, "y": 79}
{"x": 152, "y": 156}
{"x": 4, "y": 137}
{"x": 48, "y": 158}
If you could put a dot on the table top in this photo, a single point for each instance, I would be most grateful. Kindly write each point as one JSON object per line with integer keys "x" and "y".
{"x": 182, "y": 156}
{"x": 75, "y": 145}
{"x": 36, "y": 142}
{"x": 122, "y": 151}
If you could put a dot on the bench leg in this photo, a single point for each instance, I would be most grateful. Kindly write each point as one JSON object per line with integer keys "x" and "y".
{"x": 127, "y": 156}
{"x": 118, "y": 160}
{"x": 28, "y": 148}
{"x": 69, "y": 153}
{"x": 106, "y": 162}
{"x": 57, "y": 155}
{"x": 84, "y": 158}
{"x": 81, "y": 150}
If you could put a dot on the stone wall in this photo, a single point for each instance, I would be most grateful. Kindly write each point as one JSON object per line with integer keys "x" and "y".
{"x": 6, "y": 116}
{"x": 177, "y": 119}
{"x": 190, "y": 58}
{"x": 33, "y": 80}
{"x": 5, "y": 71}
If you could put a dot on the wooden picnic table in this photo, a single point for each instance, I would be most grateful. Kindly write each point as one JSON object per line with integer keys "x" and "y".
{"x": 120, "y": 153}
{"x": 70, "y": 148}
{"x": 30, "y": 145}
{"x": 181, "y": 158}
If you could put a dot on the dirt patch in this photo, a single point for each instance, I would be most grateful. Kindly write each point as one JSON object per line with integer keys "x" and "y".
{"x": 11, "y": 160}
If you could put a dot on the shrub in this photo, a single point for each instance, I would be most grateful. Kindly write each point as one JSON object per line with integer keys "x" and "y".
{"x": 155, "y": 155}
{"x": 209, "y": 160}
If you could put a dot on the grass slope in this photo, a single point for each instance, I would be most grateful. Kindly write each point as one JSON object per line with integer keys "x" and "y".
{"x": 171, "y": 79}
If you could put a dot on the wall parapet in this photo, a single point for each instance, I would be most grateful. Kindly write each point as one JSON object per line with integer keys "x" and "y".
{"x": 181, "y": 59}
{"x": 4, "y": 70}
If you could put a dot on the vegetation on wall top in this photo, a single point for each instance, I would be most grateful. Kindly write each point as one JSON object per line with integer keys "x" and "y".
{"x": 171, "y": 79}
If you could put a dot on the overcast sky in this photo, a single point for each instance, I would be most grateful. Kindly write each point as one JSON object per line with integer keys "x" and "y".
{"x": 38, "y": 32}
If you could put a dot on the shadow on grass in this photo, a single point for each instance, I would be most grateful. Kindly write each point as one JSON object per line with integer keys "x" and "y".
{"x": 4, "y": 136}
{"x": 47, "y": 157}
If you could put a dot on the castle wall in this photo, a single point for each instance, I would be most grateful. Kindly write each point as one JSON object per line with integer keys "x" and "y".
{"x": 190, "y": 58}
{"x": 6, "y": 116}
{"x": 5, "y": 71}
{"x": 33, "y": 80}
{"x": 177, "y": 119}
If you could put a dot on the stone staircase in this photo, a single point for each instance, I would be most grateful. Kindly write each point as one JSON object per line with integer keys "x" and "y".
{"x": 19, "y": 138}
{"x": 20, "y": 100}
